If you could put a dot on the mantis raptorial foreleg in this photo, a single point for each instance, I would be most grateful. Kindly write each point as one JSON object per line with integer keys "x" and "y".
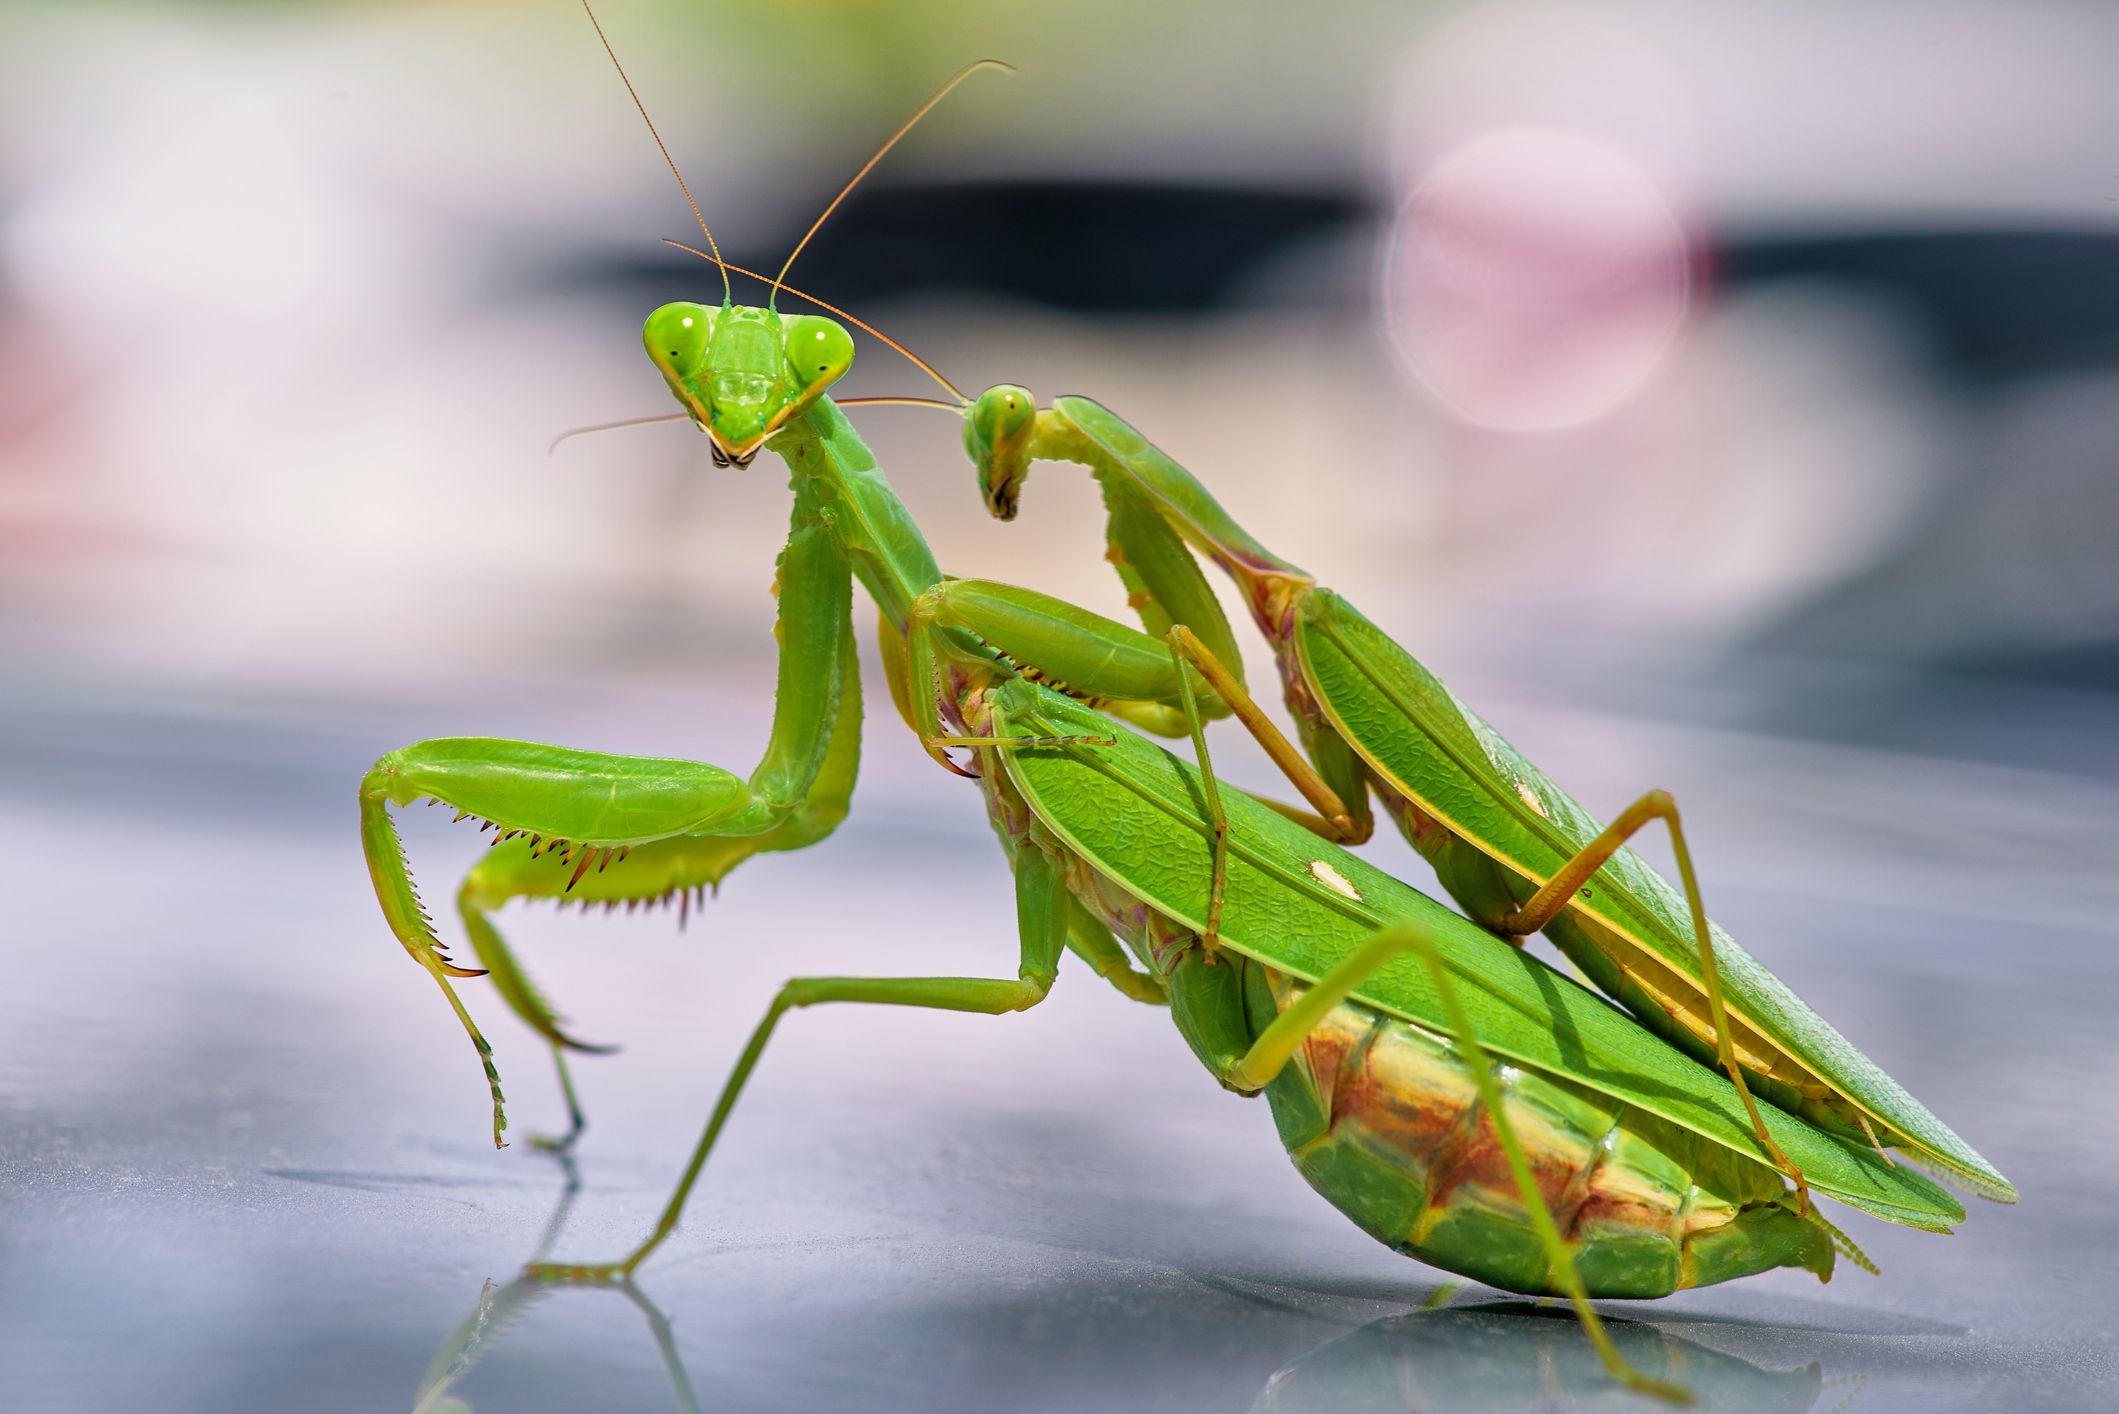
{"x": 1545, "y": 905}
{"x": 1166, "y": 588}
{"x": 1043, "y": 911}
{"x": 526, "y": 1001}
{"x": 591, "y": 806}
{"x": 1278, "y": 1042}
{"x": 673, "y": 872}
{"x": 1164, "y": 585}
{"x": 1106, "y": 663}
{"x": 583, "y": 811}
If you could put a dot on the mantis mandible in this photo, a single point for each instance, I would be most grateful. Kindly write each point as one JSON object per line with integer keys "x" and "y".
{"x": 1515, "y": 851}
{"x": 1457, "y": 1098}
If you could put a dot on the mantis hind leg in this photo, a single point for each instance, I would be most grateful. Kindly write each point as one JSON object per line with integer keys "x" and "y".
{"x": 1043, "y": 907}
{"x": 1277, "y": 1043}
{"x": 1558, "y": 891}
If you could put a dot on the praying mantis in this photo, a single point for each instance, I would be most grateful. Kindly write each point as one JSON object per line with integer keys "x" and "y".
{"x": 1514, "y": 849}
{"x": 1456, "y": 1097}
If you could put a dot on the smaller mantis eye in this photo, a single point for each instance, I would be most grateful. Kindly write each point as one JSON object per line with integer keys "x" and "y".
{"x": 676, "y": 336}
{"x": 819, "y": 350}
{"x": 1001, "y": 414}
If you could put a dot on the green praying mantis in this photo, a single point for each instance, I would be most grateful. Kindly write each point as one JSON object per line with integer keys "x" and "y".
{"x": 1456, "y": 1097}
{"x": 1514, "y": 849}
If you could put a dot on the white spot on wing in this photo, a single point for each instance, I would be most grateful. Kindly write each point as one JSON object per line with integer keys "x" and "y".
{"x": 1332, "y": 879}
{"x": 1530, "y": 798}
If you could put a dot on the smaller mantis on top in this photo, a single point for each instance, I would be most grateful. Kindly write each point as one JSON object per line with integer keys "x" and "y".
{"x": 1515, "y": 851}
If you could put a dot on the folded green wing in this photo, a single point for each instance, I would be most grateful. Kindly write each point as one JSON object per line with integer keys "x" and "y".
{"x": 1133, "y": 811}
{"x": 1438, "y": 752}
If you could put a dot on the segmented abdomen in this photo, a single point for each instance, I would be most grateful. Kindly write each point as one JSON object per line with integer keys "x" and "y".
{"x": 1385, "y": 1121}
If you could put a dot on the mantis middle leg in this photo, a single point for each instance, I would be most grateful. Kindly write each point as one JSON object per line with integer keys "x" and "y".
{"x": 1043, "y": 908}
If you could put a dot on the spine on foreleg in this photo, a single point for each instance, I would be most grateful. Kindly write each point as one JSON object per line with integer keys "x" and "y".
{"x": 1384, "y": 1120}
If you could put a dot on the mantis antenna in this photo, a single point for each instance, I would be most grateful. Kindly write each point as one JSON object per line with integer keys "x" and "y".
{"x": 866, "y": 167}
{"x": 727, "y": 296}
{"x": 660, "y": 418}
{"x": 626, "y": 422}
{"x": 899, "y": 401}
{"x": 866, "y": 328}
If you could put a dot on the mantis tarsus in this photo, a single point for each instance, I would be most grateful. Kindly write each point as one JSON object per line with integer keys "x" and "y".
{"x": 1456, "y": 1097}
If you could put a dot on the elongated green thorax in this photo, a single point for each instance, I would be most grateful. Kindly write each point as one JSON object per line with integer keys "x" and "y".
{"x": 828, "y": 461}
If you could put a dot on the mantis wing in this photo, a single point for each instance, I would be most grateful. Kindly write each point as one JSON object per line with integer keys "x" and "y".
{"x": 1440, "y": 754}
{"x": 1133, "y": 811}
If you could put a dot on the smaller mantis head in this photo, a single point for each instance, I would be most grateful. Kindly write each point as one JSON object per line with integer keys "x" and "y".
{"x": 997, "y": 433}
{"x": 743, "y": 372}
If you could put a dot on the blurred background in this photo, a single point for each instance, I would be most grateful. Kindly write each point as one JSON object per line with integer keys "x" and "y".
{"x": 1718, "y": 398}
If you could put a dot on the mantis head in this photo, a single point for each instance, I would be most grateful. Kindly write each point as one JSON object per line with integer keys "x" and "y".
{"x": 997, "y": 432}
{"x": 743, "y": 372}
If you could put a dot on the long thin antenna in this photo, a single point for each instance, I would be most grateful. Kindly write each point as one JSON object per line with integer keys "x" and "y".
{"x": 922, "y": 111}
{"x": 866, "y": 328}
{"x": 901, "y": 402}
{"x": 614, "y": 426}
{"x": 726, "y": 294}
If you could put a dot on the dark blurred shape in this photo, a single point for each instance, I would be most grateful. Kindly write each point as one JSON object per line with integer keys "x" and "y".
{"x": 1997, "y": 304}
{"x": 1086, "y": 247}
{"x": 2004, "y": 572}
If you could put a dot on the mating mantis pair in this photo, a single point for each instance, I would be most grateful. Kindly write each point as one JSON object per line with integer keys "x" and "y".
{"x": 1456, "y": 1097}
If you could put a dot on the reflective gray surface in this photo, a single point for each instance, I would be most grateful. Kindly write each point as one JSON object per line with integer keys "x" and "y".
{"x": 243, "y": 1163}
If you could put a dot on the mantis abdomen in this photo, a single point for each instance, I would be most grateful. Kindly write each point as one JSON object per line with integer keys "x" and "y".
{"x": 1384, "y": 1120}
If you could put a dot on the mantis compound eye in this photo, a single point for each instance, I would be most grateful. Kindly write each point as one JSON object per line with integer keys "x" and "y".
{"x": 819, "y": 351}
{"x": 676, "y": 337}
{"x": 1002, "y": 414}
